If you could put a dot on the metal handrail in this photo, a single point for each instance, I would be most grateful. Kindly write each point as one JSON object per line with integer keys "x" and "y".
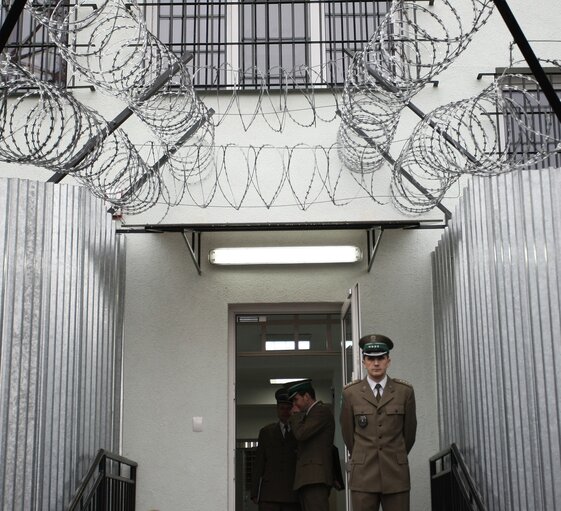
{"x": 96, "y": 477}
{"x": 452, "y": 486}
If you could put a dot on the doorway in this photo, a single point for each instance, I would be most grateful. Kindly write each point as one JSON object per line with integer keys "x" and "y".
{"x": 269, "y": 344}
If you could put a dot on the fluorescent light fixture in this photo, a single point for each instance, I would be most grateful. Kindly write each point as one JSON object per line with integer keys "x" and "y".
{"x": 285, "y": 255}
{"x": 282, "y": 381}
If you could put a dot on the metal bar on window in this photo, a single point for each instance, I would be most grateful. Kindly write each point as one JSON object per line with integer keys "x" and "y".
{"x": 259, "y": 49}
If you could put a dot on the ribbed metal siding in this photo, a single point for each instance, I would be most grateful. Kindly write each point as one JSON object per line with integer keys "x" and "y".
{"x": 497, "y": 287}
{"x": 60, "y": 339}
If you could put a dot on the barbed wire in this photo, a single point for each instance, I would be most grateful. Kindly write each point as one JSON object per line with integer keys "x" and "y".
{"x": 120, "y": 56}
{"x": 480, "y": 150}
{"x": 410, "y": 48}
{"x": 44, "y": 126}
{"x": 271, "y": 104}
{"x": 268, "y": 176}
{"x": 47, "y": 127}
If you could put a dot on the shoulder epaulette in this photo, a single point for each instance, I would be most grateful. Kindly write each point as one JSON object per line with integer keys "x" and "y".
{"x": 354, "y": 382}
{"x": 404, "y": 382}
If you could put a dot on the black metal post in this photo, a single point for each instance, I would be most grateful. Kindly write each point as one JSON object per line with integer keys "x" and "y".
{"x": 10, "y": 22}
{"x": 530, "y": 56}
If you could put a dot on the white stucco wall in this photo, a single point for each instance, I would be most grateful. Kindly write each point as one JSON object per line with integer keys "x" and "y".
{"x": 176, "y": 354}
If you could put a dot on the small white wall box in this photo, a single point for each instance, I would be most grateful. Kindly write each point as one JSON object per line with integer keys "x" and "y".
{"x": 197, "y": 424}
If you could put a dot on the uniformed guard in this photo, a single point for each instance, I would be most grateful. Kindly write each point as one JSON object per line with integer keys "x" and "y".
{"x": 314, "y": 428}
{"x": 379, "y": 424}
{"x": 275, "y": 462}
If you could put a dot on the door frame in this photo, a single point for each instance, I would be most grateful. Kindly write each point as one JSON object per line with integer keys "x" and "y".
{"x": 350, "y": 306}
{"x": 256, "y": 308}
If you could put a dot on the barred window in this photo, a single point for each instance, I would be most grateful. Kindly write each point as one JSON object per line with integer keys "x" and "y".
{"x": 274, "y": 36}
{"x": 349, "y": 26}
{"x": 30, "y": 47}
{"x": 199, "y": 27}
{"x": 539, "y": 118}
{"x": 246, "y": 42}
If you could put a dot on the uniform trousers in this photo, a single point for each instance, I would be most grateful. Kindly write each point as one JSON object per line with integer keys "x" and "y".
{"x": 366, "y": 501}
{"x": 279, "y": 506}
{"x": 314, "y": 497}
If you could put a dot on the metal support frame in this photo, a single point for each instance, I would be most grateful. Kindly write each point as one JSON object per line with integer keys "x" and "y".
{"x": 373, "y": 230}
{"x": 373, "y": 243}
{"x": 281, "y": 226}
{"x": 529, "y": 55}
{"x": 118, "y": 121}
{"x": 194, "y": 246}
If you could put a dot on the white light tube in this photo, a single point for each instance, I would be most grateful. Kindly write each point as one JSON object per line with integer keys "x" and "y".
{"x": 285, "y": 255}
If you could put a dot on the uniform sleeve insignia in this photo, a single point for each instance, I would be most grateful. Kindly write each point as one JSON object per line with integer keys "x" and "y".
{"x": 354, "y": 382}
{"x": 403, "y": 382}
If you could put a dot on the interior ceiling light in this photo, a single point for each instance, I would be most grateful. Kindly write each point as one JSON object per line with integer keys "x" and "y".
{"x": 283, "y": 381}
{"x": 285, "y": 255}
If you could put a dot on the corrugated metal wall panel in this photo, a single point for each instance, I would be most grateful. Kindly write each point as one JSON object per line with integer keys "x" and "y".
{"x": 497, "y": 288}
{"x": 61, "y": 310}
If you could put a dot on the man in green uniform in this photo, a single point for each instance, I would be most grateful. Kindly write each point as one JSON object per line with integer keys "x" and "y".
{"x": 275, "y": 462}
{"x": 379, "y": 423}
{"x": 313, "y": 426}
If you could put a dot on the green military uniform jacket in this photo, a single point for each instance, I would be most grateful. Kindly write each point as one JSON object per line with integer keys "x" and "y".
{"x": 274, "y": 467}
{"x": 314, "y": 433}
{"x": 379, "y": 435}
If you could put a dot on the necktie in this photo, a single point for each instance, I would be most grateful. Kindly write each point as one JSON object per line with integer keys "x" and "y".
{"x": 378, "y": 392}
{"x": 284, "y": 430}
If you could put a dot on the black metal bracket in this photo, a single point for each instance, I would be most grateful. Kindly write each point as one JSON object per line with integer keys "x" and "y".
{"x": 192, "y": 232}
{"x": 373, "y": 242}
{"x": 553, "y": 72}
{"x": 281, "y": 226}
{"x": 194, "y": 246}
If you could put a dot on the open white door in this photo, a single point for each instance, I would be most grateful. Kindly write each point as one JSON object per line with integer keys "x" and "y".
{"x": 350, "y": 352}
